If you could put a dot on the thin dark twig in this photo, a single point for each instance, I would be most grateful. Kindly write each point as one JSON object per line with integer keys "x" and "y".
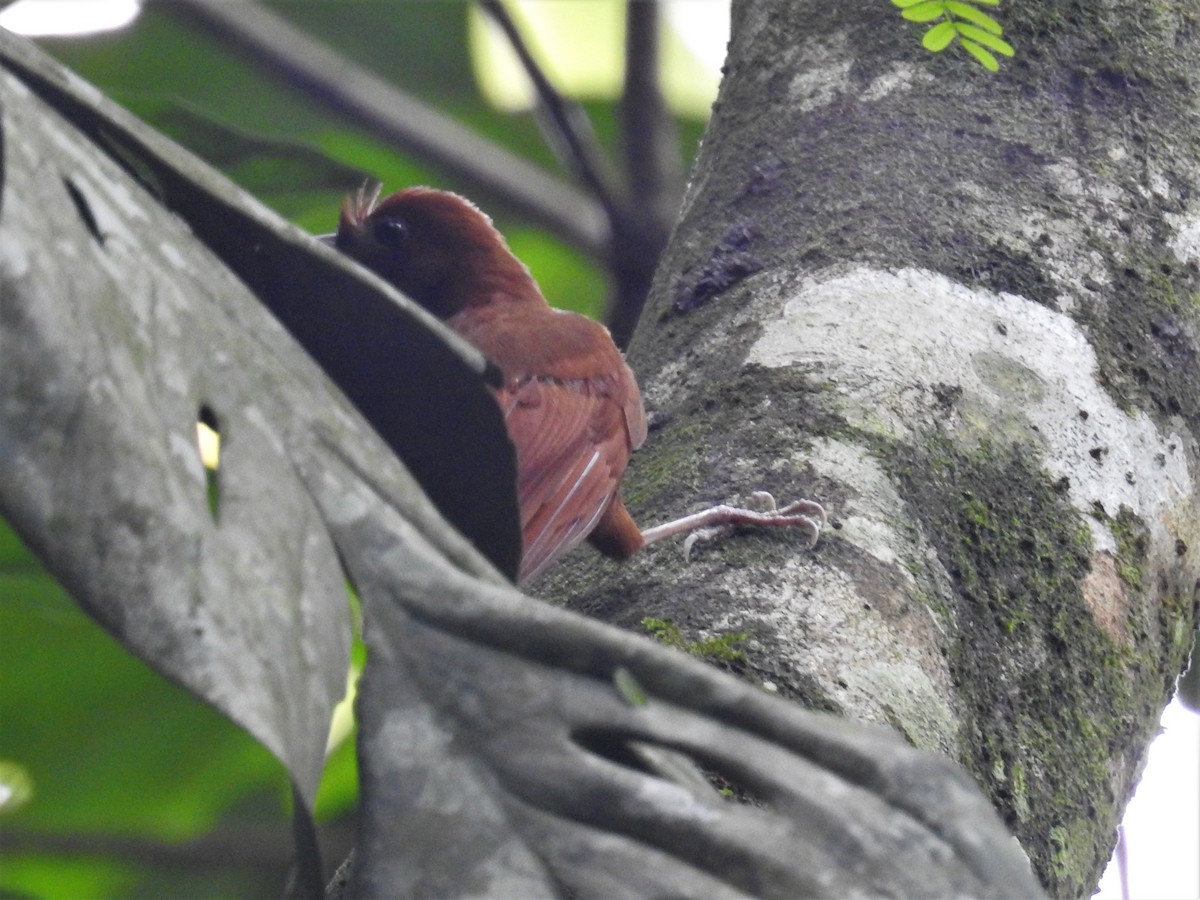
{"x": 652, "y": 165}
{"x": 259, "y": 845}
{"x": 306, "y": 865}
{"x": 650, "y": 140}
{"x": 641, "y": 214}
{"x": 253, "y": 848}
{"x": 400, "y": 119}
{"x": 565, "y": 124}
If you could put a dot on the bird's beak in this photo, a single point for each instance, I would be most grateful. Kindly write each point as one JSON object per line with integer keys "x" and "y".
{"x": 350, "y": 222}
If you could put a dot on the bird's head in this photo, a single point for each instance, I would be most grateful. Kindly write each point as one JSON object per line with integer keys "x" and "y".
{"x": 436, "y": 247}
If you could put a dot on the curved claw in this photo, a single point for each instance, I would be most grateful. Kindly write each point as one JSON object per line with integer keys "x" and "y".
{"x": 700, "y": 535}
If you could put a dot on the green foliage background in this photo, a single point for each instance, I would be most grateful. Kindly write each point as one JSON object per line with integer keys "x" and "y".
{"x": 119, "y": 784}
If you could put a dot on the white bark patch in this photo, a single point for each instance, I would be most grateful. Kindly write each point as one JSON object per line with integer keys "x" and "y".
{"x": 871, "y": 649}
{"x": 1186, "y": 243}
{"x": 824, "y": 73}
{"x": 866, "y": 636}
{"x": 911, "y": 347}
{"x": 868, "y": 660}
{"x": 1064, "y": 247}
{"x": 871, "y": 518}
{"x": 900, "y": 77}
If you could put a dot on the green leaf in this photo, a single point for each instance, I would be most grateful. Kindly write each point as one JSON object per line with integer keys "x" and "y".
{"x": 567, "y": 279}
{"x": 925, "y": 12}
{"x": 987, "y": 2}
{"x": 985, "y": 59}
{"x": 971, "y": 14}
{"x": 980, "y": 36}
{"x": 905, "y": 4}
{"x": 939, "y": 36}
{"x": 86, "y": 721}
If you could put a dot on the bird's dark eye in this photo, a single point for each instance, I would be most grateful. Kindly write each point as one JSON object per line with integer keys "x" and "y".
{"x": 390, "y": 232}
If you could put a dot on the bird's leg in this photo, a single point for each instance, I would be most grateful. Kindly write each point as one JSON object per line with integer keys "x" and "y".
{"x": 708, "y": 523}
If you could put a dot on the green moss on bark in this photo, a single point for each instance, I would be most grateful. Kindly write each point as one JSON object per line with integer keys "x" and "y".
{"x": 1143, "y": 340}
{"x": 1048, "y": 694}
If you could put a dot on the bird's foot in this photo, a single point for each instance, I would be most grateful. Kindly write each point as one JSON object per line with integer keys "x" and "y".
{"x": 759, "y": 502}
{"x": 761, "y": 510}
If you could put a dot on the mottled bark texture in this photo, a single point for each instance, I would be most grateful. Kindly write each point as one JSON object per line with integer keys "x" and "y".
{"x": 962, "y": 311}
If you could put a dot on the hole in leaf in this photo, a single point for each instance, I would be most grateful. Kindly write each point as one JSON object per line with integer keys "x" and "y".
{"x": 208, "y": 442}
{"x": 613, "y": 747}
{"x": 84, "y": 209}
{"x": 133, "y": 162}
{"x": 16, "y": 785}
{"x": 723, "y": 777}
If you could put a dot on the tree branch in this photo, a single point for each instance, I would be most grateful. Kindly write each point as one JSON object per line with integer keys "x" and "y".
{"x": 393, "y": 115}
{"x": 650, "y": 140}
{"x": 628, "y": 237}
{"x": 642, "y": 210}
{"x": 652, "y": 168}
{"x": 565, "y": 125}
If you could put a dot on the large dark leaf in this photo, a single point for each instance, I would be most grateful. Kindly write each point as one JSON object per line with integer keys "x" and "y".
{"x": 120, "y": 330}
{"x": 406, "y": 372}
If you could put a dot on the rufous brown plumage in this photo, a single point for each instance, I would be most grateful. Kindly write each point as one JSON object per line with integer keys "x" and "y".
{"x": 570, "y": 402}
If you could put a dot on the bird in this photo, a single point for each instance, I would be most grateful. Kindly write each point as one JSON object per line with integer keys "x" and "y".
{"x": 570, "y": 402}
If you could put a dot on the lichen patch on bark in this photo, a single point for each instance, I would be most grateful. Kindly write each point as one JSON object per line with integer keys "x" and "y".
{"x": 1186, "y": 242}
{"x": 913, "y": 346}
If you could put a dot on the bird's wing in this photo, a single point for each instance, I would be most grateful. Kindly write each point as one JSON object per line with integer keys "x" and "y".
{"x": 571, "y": 453}
{"x": 574, "y": 414}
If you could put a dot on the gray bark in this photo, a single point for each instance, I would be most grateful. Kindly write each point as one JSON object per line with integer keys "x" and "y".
{"x": 960, "y": 310}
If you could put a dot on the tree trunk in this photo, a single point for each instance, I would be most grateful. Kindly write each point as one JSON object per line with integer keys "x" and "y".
{"x": 959, "y": 310}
